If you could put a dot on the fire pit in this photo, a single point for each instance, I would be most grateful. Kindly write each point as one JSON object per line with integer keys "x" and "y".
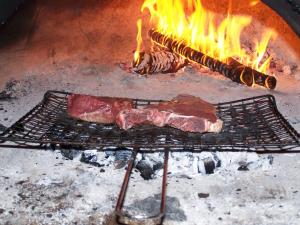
{"x": 168, "y": 173}
{"x": 245, "y": 129}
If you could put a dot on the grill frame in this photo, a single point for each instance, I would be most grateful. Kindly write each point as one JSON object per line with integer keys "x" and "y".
{"x": 251, "y": 124}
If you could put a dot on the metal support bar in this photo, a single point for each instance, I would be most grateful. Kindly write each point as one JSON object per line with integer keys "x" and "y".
{"x": 126, "y": 181}
{"x": 125, "y": 218}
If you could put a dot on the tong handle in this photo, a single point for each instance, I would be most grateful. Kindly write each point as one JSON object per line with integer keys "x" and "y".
{"x": 125, "y": 218}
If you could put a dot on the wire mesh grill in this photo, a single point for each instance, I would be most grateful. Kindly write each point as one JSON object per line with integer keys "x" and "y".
{"x": 252, "y": 124}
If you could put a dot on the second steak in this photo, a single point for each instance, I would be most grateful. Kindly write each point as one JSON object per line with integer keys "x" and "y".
{"x": 185, "y": 112}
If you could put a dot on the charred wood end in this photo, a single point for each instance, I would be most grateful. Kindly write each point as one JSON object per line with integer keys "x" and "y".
{"x": 233, "y": 69}
{"x": 158, "y": 62}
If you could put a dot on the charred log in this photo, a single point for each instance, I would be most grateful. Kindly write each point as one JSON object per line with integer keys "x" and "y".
{"x": 158, "y": 62}
{"x": 234, "y": 70}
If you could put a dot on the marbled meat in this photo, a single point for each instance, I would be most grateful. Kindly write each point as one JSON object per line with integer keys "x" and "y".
{"x": 96, "y": 109}
{"x": 185, "y": 112}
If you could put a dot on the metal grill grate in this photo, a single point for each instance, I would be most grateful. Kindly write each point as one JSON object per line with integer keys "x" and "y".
{"x": 252, "y": 124}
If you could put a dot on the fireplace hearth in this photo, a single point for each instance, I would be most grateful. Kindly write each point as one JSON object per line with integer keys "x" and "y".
{"x": 78, "y": 47}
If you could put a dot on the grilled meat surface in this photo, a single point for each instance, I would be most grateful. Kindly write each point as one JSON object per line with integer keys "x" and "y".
{"x": 185, "y": 112}
{"x": 96, "y": 109}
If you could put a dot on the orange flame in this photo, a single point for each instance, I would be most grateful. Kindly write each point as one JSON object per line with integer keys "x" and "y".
{"x": 189, "y": 21}
{"x": 254, "y": 2}
{"x": 139, "y": 41}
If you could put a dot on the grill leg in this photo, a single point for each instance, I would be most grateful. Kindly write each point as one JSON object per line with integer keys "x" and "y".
{"x": 164, "y": 183}
{"x": 138, "y": 220}
{"x": 126, "y": 181}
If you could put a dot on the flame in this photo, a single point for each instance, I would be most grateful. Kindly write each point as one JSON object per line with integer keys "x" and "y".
{"x": 254, "y": 2}
{"x": 139, "y": 41}
{"x": 260, "y": 49}
{"x": 190, "y": 22}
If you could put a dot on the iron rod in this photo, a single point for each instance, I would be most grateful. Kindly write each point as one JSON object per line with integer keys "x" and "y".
{"x": 164, "y": 182}
{"x": 125, "y": 218}
{"x": 126, "y": 181}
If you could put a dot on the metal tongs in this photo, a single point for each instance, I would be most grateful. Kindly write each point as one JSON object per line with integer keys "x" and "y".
{"x": 123, "y": 217}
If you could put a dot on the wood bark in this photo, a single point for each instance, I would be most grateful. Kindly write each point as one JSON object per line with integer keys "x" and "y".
{"x": 160, "y": 61}
{"x": 232, "y": 69}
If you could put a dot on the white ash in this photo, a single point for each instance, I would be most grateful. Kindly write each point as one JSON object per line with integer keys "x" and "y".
{"x": 150, "y": 206}
{"x": 286, "y": 70}
{"x": 192, "y": 164}
{"x": 14, "y": 88}
{"x": 91, "y": 157}
{"x": 46, "y": 181}
{"x": 180, "y": 164}
{"x": 275, "y": 181}
{"x": 10, "y": 89}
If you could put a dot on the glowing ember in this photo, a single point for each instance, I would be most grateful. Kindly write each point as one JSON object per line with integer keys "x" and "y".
{"x": 198, "y": 28}
{"x": 254, "y": 2}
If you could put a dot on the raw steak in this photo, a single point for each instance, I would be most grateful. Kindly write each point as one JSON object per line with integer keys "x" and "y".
{"x": 96, "y": 109}
{"x": 185, "y": 112}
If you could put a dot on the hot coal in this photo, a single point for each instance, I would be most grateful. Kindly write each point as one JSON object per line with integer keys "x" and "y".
{"x": 4, "y": 95}
{"x": 156, "y": 160}
{"x": 109, "y": 152}
{"x": 206, "y": 166}
{"x": 145, "y": 169}
{"x": 203, "y": 195}
{"x": 90, "y": 157}
{"x": 157, "y": 166}
{"x": 271, "y": 159}
{"x": 2, "y": 128}
{"x": 209, "y": 165}
{"x": 121, "y": 158}
{"x": 70, "y": 154}
{"x": 149, "y": 165}
{"x": 243, "y": 167}
{"x": 217, "y": 160}
{"x": 184, "y": 112}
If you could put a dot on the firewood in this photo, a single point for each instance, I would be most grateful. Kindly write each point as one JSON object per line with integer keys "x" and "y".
{"x": 158, "y": 62}
{"x": 232, "y": 69}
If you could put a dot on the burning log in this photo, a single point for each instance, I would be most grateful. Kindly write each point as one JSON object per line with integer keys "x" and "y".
{"x": 232, "y": 69}
{"x": 158, "y": 62}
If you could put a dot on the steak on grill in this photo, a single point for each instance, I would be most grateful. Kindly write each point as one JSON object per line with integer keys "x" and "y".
{"x": 185, "y": 112}
{"x": 96, "y": 109}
